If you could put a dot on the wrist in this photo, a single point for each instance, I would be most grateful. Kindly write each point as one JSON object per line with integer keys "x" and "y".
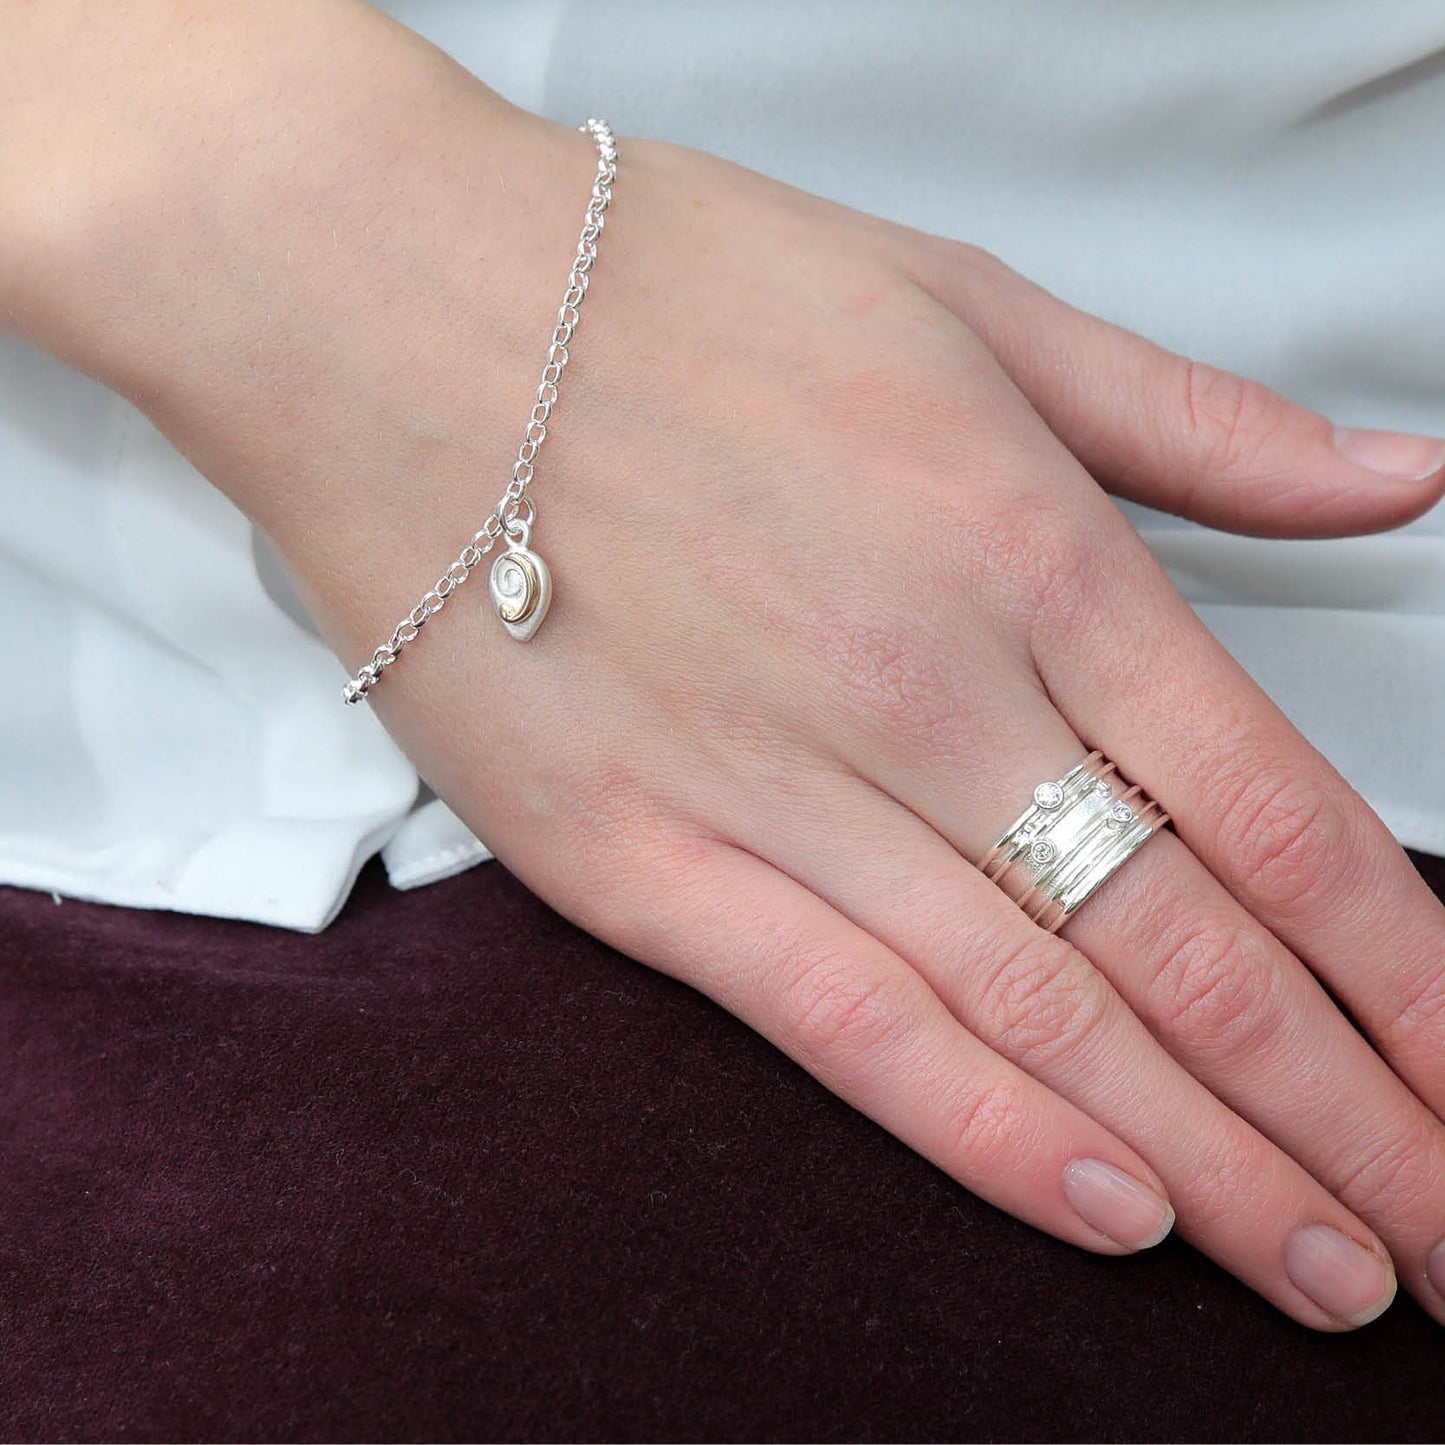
{"x": 116, "y": 111}
{"x": 235, "y": 146}
{"x": 329, "y": 292}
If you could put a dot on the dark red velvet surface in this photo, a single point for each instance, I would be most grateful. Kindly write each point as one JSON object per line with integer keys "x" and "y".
{"x": 455, "y": 1171}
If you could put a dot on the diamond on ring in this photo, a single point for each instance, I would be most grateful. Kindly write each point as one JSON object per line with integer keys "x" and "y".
{"x": 1048, "y": 796}
{"x": 1074, "y": 834}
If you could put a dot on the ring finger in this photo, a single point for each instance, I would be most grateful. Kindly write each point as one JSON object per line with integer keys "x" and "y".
{"x": 1226, "y": 999}
{"x": 1040, "y": 1003}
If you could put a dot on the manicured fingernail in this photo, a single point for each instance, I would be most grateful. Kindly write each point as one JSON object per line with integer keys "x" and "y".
{"x": 1435, "y": 1267}
{"x": 1343, "y": 1278}
{"x": 1117, "y": 1204}
{"x": 1392, "y": 453}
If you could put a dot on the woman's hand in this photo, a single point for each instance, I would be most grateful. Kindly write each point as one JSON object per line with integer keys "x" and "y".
{"x": 836, "y": 584}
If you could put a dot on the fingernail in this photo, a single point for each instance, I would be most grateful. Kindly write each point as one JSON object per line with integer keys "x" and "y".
{"x": 1392, "y": 453}
{"x": 1435, "y": 1267}
{"x": 1343, "y": 1278}
{"x": 1117, "y": 1204}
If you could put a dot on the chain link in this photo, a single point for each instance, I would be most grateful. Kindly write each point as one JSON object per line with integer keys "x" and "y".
{"x": 504, "y": 520}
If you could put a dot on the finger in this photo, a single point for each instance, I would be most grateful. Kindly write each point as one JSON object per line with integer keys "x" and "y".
{"x": 1251, "y": 1023}
{"x": 1041, "y": 1004}
{"x": 1222, "y": 994}
{"x": 864, "y": 1023}
{"x": 1181, "y": 436}
{"x": 1127, "y": 660}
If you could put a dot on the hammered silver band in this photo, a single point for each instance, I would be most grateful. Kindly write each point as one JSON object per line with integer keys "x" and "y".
{"x": 1074, "y": 834}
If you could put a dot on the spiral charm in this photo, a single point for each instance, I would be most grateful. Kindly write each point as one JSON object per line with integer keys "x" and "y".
{"x": 521, "y": 589}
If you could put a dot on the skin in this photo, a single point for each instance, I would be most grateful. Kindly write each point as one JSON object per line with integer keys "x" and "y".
{"x": 838, "y": 579}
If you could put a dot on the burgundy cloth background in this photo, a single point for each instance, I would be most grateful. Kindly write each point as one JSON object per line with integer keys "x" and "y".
{"x": 453, "y": 1170}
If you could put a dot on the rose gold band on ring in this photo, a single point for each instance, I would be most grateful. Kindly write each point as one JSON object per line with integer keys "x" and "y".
{"x": 1074, "y": 834}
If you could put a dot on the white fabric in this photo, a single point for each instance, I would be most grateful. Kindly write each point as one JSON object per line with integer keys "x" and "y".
{"x": 1252, "y": 184}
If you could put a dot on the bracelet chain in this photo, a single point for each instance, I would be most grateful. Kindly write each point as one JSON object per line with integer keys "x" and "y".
{"x": 505, "y": 520}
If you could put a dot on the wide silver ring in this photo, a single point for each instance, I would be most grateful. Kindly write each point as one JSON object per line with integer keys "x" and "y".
{"x": 1075, "y": 833}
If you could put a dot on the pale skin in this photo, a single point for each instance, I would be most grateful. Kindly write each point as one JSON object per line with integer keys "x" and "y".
{"x": 838, "y": 579}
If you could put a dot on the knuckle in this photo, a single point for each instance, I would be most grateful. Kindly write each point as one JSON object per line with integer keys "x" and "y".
{"x": 984, "y": 1127}
{"x": 1415, "y": 1016}
{"x": 1066, "y": 582}
{"x": 612, "y": 814}
{"x": 1230, "y": 418}
{"x": 1286, "y": 838}
{"x": 895, "y": 682}
{"x": 950, "y": 254}
{"x": 1042, "y": 1000}
{"x": 892, "y": 413}
{"x": 1217, "y": 989}
{"x": 610, "y": 886}
{"x": 839, "y": 1012}
{"x": 1235, "y": 1183}
{"x": 1026, "y": 550}
{"x": 878, "y": 407}
{"x": 982, "y": 260}
{"x": 1391, "y": 1173}
{"x": 607, "y": 797}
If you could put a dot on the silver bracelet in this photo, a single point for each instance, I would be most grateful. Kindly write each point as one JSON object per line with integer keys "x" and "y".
{"x": 520, "y": 584}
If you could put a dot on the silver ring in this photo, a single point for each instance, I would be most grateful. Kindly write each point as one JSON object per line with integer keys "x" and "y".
{"x": 1074, "y": 834}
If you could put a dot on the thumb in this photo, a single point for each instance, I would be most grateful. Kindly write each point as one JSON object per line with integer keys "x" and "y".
{"x": 1183, "y": 437}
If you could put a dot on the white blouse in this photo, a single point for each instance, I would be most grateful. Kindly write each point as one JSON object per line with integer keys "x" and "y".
{"x": 1256, "y": 185}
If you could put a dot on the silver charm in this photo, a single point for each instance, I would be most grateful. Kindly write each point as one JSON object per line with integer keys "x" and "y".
{"x": 521, "y": 587}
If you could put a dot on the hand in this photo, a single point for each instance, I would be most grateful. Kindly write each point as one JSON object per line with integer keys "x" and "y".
{"x": 835, "y": 586}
